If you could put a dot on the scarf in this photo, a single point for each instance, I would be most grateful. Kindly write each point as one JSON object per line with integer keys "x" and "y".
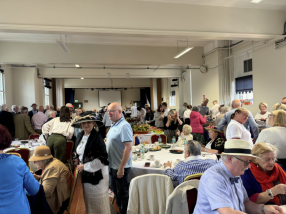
{"x": 266, "y": 180}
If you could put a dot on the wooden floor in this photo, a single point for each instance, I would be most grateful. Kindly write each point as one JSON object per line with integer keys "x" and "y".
{"x": 77, "y": 206}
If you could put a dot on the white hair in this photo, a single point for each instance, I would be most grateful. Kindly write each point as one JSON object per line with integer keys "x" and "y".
{"x": 50, "y": 112}
{"x": 14, "y": 106}
{"x": 224, "y": 109}
{"x": 4, "y": 107}
{"x": 224, "y": 158}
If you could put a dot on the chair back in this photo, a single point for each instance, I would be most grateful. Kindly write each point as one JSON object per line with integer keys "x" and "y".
{"x": 192, "y": 195}
{"x": 12, "y": 153}
{"x": 24, "y": 152}
{"x": 155, "y": 137}
{"x": 32, "y": 137}
{"x": 152, "y": 190}
{"x": 193, "y": 176}
{"x": 73, "y": 185}
{"x": 69, "y": 149}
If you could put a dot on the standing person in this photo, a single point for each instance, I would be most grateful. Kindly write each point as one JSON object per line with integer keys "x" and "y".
{"x": 187, "y": 114}
{"x": 14, "y": 109}
{"x": 77, "y": 128}
{"x": 100, "y": 115}
{"x": 215, "y": 108}
{"x": 119, "y": 147}
{"x": 159, "y": 116}
{"x": 15, "y": 179}
{"x": 197, "y": 120}
{"x": 51, "y": 114}
{"x": 59, "y": 131}
{"x": 33, "y": 111}
{"x": 182, "y": 111}
{"x": 72, "y": 115}
{"x": 166, "y": 109}
{"x": 38, "y": 120}
{"x": 6, "y": 119}
{"x": 172, "y": 121}
{"x": 91, "y": 160}
{"x": 150, "y": 116}
{"x": 204, "y": 110}
{"x": 221, "y": 189}
{"x": 47, "y": 108}
{"x": 23, "y": 126}
{"x": 141, "y": 113}
{"x": 107, "y": 122}
{"x": 133, "y": 110}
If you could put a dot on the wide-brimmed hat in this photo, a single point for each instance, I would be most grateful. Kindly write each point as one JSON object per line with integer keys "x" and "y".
{"x": 214, "y": 128}
{"x": 238, "y": 147}
{"x": 34, "y": 104}
{"x": 83, "y": 118}
{"x": 41, "y": 153}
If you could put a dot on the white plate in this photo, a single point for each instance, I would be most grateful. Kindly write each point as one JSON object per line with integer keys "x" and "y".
{"x": 153, "y": 166}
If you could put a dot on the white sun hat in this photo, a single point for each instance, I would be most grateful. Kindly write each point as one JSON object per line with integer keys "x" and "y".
{"x": 238, "y": 147}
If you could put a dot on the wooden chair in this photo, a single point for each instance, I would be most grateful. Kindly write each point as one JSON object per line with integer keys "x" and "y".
{"x": 192, "y": 195}
{"x": 32, "y": 137}
{"x": 73, "y": 185}
{"x": 69, "y": 149}
{"x": 194, "y": 176}
{"x": 12, "y": 153}
{"x": 155, "y": 137}
{"x": 24, "y": 152}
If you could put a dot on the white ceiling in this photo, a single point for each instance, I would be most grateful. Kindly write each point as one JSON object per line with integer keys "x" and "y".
{"x": 265, "y": 4}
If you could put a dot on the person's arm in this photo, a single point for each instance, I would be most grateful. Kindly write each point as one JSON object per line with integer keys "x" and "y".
{"x": 168, "y": 121}
{"x": 263, "y": 197}
{"x": 213, "y": 151}
{"x": 222, "y": 123}
{"x": 203, "y": 120}
{"x": 134, "y": 139}
{"x": 49, "y": 182}
{"x": 253, "y": 126}
{"x": 125, "y": 158}
{"x": 28, "y": 126}
{"x": 70, "y": 131}
{"x": 170, "y": 172}
{"x": 253, "y": 208}
{"x": 179, "y": 120}
{"x": 219, "y": 146}
{"x": 47, "y": 127}
{"x": 228, "y": 210}
{"x": 29, "y": 182}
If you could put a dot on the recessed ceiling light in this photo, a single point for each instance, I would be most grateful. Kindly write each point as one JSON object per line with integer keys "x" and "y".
{"x": 77, "y": 66}
{"x": 183, "y": 52}
{"x": 256, "y": 1}
{"x": 82, "y": 78}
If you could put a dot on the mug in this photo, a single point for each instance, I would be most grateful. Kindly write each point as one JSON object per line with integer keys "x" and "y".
{"x": 157, "y": 163}
{"x": 152, "y": 157}
{"x": 157, "y": 143}
{"x": 42, "y": 144}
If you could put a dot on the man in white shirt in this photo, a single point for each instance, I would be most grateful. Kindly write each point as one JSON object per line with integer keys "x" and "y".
{"x": 165, "y": 107}
{"x": 182, "y": 111}
{"x": 133, "y": 111}
{"x": 141, "y": 113}
{"x": 215, "y": 108}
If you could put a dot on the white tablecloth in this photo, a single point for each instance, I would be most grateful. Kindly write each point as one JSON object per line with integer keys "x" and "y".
{"x": 35, "y": 145}
{"x": 147, "y": 136}
{"x": 163, "y": 156}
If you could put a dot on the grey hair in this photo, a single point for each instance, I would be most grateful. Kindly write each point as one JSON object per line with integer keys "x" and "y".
{"x": 51, "y": 106}
{"x": 45, "y": 162}
{"x": 225, "y": 109}
{"x": 50, "y": 112}
{"x": 13, "y": 106}
{"x": 196, "y": 108}
{"x": 194, "y": 147}
{"x": 4, "y": 107}
{"x": 224, "y": 158}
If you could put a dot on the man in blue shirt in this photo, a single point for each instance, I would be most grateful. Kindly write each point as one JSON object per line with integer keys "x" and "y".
{"x": 119, "y": 147}
{"x": 250, "y": 121}
{"x": 192, "y": 164}
{"x": 221, "y": 189}
{"x": 107, "y": 122}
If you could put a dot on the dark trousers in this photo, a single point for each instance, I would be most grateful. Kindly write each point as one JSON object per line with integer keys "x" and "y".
{"x": 120, "y": 188}
{"x": 57, "y": 143}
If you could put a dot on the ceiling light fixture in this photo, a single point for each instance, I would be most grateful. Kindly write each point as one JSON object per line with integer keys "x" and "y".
{"x": 256, "y": 1}
{"x": 184, "y": 51}
{"x": 62, "y": 45}
{"x": 77, "y": 66}
{"x": 82, "y": 78}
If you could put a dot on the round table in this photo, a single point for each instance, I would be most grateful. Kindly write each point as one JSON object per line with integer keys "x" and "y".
{"x": 163, "y": 156}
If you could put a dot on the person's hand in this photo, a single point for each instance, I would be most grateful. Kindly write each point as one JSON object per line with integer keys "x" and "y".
{"x": 76, "y": 161}
{"x": 169, "y": 117}
{"x": 279, "y": 189}
{"x": 263, "y": 119}
{"x": 35, "y": 133}
{"x": 162, "y": 116}
{"x": 136, "y": 135}
{"x": 178, "y": 133}
{"x": 253, "y": 140}
{"x": 205, "y": 115}
{"x": 167, "y": 164}
{"x": 37, "y": 177}
{"x": 80, "y": 168}
{"x": 273, "y": 209}
{"x": 120, "y": 173}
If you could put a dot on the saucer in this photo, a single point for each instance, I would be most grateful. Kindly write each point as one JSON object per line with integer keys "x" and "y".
{"x": 153, "y": 166}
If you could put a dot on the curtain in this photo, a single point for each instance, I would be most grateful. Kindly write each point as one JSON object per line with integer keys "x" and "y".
{"x": 145, "y": 97}
{"x": 69, "y": 95}
{"x": 243, "y": 84}
{"x": 59, "y": 92}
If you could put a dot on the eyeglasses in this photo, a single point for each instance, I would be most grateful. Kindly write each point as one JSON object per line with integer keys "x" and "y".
{"x": 246, "y": 163}
{"x": 271, "y": 115}
{"x": 245, "y": 115}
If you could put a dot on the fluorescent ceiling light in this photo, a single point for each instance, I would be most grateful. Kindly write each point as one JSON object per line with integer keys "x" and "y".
{"x": 256, "y": 1}
{"x": 63, "y": 46}
{"x": 183, "y": 52}
{"x": 77, "y": 66}
{"x": 82, "y": 78}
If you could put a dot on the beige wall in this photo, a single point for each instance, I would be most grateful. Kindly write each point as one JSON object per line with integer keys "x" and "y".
{"x": 8, "y": 83}
{"x": 130, "y": 94}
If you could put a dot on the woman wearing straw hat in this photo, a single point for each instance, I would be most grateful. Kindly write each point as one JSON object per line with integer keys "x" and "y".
{"x": 215, "y": 144}
{"x": 55, "y": 178}
{"x": 91, "y": 157}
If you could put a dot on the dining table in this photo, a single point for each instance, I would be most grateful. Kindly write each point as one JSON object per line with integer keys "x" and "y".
{"x": 164, "y": 155}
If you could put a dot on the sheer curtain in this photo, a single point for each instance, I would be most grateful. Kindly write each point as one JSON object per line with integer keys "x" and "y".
{"x": 59, "y": 92}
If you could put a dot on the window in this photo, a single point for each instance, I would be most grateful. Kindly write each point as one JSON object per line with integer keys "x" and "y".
{"x": 172, "y": 99}
{"x": 247, "y": 65}
{"x": 1, "y": 89}
{"x": 244, "y": 89}
{"x": 47, "y": 96}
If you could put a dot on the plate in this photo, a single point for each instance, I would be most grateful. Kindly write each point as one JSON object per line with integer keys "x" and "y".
{"x": 175, "y": 151}
{"x": 24, "y": 141}
{"x": 165, "y": 146}
{"x": 153, "y": 166}
{"x": 151, "y": 150}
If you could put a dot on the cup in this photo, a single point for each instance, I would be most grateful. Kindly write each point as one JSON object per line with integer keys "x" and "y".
{"x": 134, "y": 157}
{"x": 152, "y": 157}
{"x": 16, "y": 139}
{"x": 157, "y": 143}
{"x": 42, "y": 144}
{"x": 157, "y": 163}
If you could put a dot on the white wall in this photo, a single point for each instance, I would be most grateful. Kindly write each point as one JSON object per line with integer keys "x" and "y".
{"x": 92, "y": 97}
{"x": 8, "y": 83}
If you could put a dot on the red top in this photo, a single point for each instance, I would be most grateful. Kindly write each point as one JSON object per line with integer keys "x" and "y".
{"x": 196, "y": 122}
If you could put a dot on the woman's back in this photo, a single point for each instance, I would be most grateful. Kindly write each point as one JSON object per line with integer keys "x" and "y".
{"x": 15, "y": 177}
{"x": 196, "y": 122}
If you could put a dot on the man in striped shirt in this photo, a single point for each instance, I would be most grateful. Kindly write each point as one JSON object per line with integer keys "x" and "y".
{"x": 192, "y": 164}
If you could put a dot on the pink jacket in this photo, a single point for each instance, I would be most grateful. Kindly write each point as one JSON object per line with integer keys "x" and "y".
{"x": 196, "y": 122}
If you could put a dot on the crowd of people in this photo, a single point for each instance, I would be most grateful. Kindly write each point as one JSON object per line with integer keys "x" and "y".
{"x": 104, "y": 158}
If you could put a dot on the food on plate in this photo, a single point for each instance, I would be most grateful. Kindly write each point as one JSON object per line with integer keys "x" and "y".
{"x": 156, "y": 148}
{"x": 141, "y": 128}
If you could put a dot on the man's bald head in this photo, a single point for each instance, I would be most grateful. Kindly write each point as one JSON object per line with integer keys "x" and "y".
{"x": 114, "y": 112}
{"x": 236, "y": 103}
{"x": 41, "y": 108}
{"x": 115, "y": 106}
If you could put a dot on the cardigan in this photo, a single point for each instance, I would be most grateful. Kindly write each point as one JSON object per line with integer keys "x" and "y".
{"x": 196, "y": 122}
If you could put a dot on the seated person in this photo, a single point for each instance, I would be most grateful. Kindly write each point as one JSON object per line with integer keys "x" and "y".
{"x": 187, "y": 130}
{"x": 55, "y": 178}
{"x": 215, "y": 144}
{"x": 263, "y": 114}
{"x": 192, "y": 164}
{"x": 136, "y": 140}
{"x": 265, "y": 181}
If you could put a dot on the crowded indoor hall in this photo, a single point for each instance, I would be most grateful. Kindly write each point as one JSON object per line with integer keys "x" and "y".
{"x": 143, "y": 107}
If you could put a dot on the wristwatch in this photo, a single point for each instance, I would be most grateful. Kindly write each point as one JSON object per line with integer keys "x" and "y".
{"x": 262, "y": 209}
{"x": 270, "y": 194}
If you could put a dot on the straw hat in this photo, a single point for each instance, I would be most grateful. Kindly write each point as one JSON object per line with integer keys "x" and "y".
{"x": 41, "y": 153}
{"x": 83, "y": 118}
{"x": 214, "y": 128}
{"x": 238, "y": 147}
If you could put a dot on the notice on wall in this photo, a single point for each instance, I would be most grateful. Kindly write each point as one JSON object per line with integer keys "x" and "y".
{"x": 85, "y": 101}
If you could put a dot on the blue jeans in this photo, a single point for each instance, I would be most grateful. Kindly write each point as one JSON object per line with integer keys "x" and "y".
{"x": 120, "y": 188}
